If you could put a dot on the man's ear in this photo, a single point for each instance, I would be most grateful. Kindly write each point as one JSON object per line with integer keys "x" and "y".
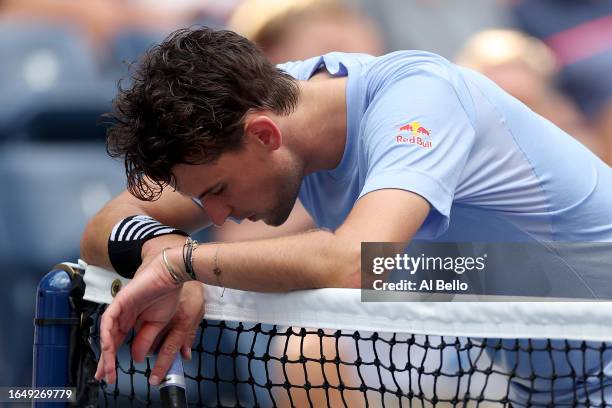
{"x": 262, "y": 130}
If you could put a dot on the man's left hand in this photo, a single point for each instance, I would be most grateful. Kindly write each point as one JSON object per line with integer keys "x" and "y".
{"x": 154, "y": 303}
{"x": 178, "y": 334}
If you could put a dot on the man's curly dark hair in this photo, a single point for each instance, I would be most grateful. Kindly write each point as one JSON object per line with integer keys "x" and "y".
{"x": 187, "y": 103}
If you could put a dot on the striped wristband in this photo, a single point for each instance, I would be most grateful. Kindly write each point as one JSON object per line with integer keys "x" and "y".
{"x": 127, "y": 238}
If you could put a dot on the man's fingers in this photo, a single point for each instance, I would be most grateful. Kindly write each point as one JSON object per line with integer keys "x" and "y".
{"x": 138, "y": 325}
{"x": 111, "y": 337}
{"x": 188, "y": 342}
{"x": 186, "y": 351}
{"x": 155, "y": 346}
{"x": 107, "y": 357}
{"x": 145, "y": 339}
{"x": 106, "y": 369}
{"x": 166, "y": 355}
{"x": 100, "y": 369}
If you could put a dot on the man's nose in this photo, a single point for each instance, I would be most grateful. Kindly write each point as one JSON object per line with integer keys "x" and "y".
{"x": 216, "y": 210}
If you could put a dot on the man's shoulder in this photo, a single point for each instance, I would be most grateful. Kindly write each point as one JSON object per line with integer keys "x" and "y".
{"x": 341, "y": 63}
{"x": 410, "y": 62}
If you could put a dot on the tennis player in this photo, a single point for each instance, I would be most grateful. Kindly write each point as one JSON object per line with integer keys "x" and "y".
{"x": 391, "y": 148}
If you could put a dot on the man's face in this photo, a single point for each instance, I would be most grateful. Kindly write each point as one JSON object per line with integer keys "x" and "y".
{"x": 255, "y": 183}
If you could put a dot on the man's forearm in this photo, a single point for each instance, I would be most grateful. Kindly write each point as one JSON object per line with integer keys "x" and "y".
{"x": 170, "y": 209}
{"x": 314, "y": 259}
{"x": 311, "y": 260}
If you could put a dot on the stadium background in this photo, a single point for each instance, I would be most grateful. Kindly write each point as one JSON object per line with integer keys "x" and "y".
{"x": 60, "y": 61}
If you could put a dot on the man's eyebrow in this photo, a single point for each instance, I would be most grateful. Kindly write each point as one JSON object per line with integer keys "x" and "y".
{"x": 198, "y": 200}
{"x": 207, "y": 191}
{"x": 195, "y": 198}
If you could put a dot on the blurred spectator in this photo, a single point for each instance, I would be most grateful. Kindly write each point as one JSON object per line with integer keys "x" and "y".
{"x": 580, "y": 35}
{"x": 295, "y": 30}
{"x": 439, "y": 26}
{"x": 47, "y": 68}
{"x": 100, "y": 20}
{"x": 526, "y": 68}
{"x": 103, "y": 20}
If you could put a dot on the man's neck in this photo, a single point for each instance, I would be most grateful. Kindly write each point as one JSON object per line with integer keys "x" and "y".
{"x": 317, "y": 128}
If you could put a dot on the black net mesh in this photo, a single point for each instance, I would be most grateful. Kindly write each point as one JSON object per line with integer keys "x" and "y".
{"x": 258, "y": 365}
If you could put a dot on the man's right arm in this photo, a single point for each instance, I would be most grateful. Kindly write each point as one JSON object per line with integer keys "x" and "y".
{"x": 171, "y": 209}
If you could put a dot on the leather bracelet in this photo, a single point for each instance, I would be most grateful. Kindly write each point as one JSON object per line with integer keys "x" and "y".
{"x": 188, "y": 248}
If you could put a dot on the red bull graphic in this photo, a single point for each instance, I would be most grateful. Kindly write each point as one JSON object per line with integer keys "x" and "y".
{"x": 407, "y": 128}
{"x": 417, "y": 135}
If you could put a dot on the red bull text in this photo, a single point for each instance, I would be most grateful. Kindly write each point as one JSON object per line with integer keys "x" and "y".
{"x": 418, "y": 135}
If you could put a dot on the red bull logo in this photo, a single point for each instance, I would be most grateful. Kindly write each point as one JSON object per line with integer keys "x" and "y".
{"x": 417, "y": 135}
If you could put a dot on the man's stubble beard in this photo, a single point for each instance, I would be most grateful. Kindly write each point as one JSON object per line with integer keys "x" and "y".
{"x": 287, "y": 196}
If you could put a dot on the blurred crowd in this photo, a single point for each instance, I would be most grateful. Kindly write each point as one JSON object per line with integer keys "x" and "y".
{"x": 61, "y": 61}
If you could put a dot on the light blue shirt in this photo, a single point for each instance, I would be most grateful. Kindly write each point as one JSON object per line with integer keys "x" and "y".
{"x": 490, "y": 167}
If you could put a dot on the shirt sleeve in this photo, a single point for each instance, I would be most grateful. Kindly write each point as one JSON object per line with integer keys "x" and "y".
{"x": 417, "y": 137}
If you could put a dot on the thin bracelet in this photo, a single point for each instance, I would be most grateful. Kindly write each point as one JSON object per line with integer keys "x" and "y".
{"x": 170, "y": 268}
{"x": 216, "y": 270}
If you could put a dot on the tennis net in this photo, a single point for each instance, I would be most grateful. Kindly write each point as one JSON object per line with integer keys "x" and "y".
{"x": 326, "y": 348}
